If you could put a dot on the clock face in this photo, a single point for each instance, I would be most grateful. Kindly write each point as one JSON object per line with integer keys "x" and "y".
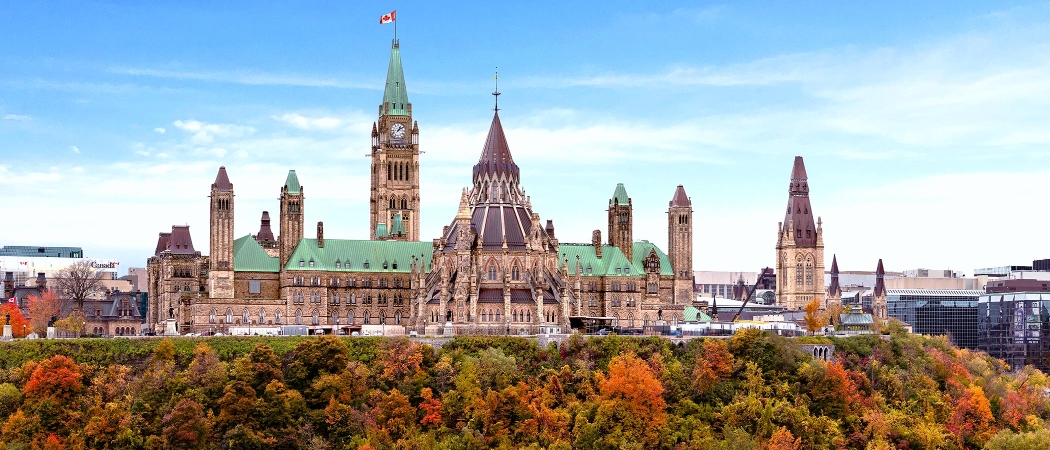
{"x": 397, "y": 130}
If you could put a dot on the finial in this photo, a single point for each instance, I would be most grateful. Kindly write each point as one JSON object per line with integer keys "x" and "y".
{"x": 496, "y": 93}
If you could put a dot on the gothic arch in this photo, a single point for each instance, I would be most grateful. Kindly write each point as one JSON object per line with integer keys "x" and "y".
{"x": 298, "y": 317}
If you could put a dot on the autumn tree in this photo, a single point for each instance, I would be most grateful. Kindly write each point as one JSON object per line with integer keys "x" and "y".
{"x": 972, "y": 417}
{"x": 186, "y": 426}
{"x": 782, "y": 439}
{"x": 713, "y": 363}
{"x": 78, "y": 282}
{"x": 400, "y": 359}
{"x": 431, "y": 408}
{"x": 41, "y": 309}
{"x": 632, "y": 402}
{"x": 813, "y": 319}
{"x": 19, "y": 324}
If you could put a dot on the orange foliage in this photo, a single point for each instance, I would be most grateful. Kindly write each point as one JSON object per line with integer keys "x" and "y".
{"x": 57, "y": 377}
{"x": 712, "y": 365}
{"x": 394, "y": 414}
{"x": 632, "y": 381}
{"x": 400, "y": 358}
{"x": 972, "y": 416}
{"x": 41, "y": 309}
{"x": 837, "y": 394}
{"x": 813, "y": 319}
{"x": 53, "y": 443}
{"x": 782, "y": 439}
{"x": 1015, "y": 409}
{"x": 431, "y": 408}
{"x": 19, "y": 324}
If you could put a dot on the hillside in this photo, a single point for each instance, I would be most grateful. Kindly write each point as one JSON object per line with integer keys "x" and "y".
{"x": 753, "y": 391}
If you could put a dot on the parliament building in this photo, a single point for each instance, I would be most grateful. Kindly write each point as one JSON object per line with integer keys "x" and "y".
{"x": 496, "y": 268}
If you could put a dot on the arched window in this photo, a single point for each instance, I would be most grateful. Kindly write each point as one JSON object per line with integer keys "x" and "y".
{"x": 498, "y": 312}
{"x": 244, "y": 316}
{"x": 397, "y": 318}
{"x": 211, "y": 316}
{"x": 335, "y": 318}
{"x": 229, "y": 316}
{"x": 350, "y": 317}
{"x": 404, "y": 204}
{"x": 515, "y": 272}
{"x": 298, "y": 317}
{"x": 528, "y": 315}
{"x": 315, "y": 318}
{"x": 492, "y": 270}
{"x": 277, "y": 317}
{"x": 262, "y": 317}
{"x": 366, "y": 318}
{"x": 809, "y": 271}
{"x": 382, "y": 317}
{"x": 798, "y": 274}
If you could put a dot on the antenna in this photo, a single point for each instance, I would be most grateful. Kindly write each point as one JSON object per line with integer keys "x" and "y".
{"x": 496, "y": 93}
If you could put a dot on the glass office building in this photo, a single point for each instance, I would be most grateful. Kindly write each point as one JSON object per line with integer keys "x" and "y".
{"x": 1010, "y": 327}
{"x": 948, "y": 312}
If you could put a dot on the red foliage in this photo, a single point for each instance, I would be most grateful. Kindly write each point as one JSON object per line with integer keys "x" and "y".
{"x": 41, "y": 309}
{"x": 782, "y": 439}
{"x": 972, "y": 416}
{"x": 632, "y": 381}
{"x": 53, "y": 443}
{"x": 836, "y": 394}
{"x": 712, "y": 365}
{"x": 19, "y": 324}
{"x": 1015, "y": 409}
{"x": 431, "y": 408}
{"x": 57, "y": 377}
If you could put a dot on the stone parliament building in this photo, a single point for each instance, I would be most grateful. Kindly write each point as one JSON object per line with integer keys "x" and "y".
{"x": 496, "y": 268}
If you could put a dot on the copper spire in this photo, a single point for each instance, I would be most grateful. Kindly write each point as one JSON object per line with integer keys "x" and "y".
{"x": 880, "y": 284}
{"x": 680, "y": 198}
{"x": 222, "y": 181}
{"x": 833, "y": 288}
{"x": 799, "y": 213}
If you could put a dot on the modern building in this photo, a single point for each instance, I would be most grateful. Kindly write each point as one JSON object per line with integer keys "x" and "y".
{"x": 25, "y": 262}
{"x": 948, "y": 312}
{"x": 800, "y": 246}
{"x": 496, "y": 268}
{"x": 1014, "y": 327}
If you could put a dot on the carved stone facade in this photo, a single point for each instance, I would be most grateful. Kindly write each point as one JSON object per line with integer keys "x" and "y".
{"x": 800, "y": 246}
{"x": 495, "y": 269}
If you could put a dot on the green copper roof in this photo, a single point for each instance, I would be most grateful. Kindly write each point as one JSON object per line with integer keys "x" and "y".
{"x": 619, "y": 196}
{"x": 292, "y": 183}
{"x": 611, "y": 260}
{"x": 396, "y": 93}
{"x": 397, "y": 228}
{"x": 381, "y": 231}
{"x": 692, "y": 314}
{"x": 249, "y": 256}
{"x": 342, "y": 255}
{"x": 641, "y": 251}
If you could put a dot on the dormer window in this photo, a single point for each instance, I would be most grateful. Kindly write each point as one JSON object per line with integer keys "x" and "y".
{"x": 311, "y": 263}
{"x": 337, "y": 265}
{"x": 618, "y": 271}
{"x": 366, "y": 264}
{"x": 384, "y": 265}
{"x": 395, "y": 265}
{"x": 302, "y": 263}
{"x": 627, "y": 270}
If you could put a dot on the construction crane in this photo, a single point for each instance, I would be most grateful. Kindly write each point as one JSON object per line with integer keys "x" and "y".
{"x": 750, "y": 292}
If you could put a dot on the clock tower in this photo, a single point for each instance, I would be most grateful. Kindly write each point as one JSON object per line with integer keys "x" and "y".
{"x": 395, "y": 158}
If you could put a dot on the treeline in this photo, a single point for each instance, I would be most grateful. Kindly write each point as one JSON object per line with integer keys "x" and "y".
{"x": 752, "y": 391}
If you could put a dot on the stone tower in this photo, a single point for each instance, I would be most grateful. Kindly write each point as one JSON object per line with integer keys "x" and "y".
{"x": 621, "y": 221}
{"x": 680, "y": 245}
{"x": 395, "y": 157}
{"x": 220, "y": 270}
{"x": 834, "y": 290}
{"x": 800, "y": 246}
{"x": 878, "y": 299}
{"x": 292, "y": 209}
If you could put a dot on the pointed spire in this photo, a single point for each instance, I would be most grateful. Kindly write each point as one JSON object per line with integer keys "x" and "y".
{"x": 395, "y": 94}
{"x": 495, "y": 158}
{"x": 680, "y": 198}
{"x": 222, "y": 181}
{"x": 265, "y": 232}
{"x": 880, "y": 284}
{"x": 464, "y": 206}
{"x": 799, "y": 216}
{"x": 619, "y": 196}
{"x": 291, "y": 184}
{"x": 833, "y": 289}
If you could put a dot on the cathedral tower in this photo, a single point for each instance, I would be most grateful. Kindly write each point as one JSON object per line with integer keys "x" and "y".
{"x": 834, "y": 290}
{"x": 680, "y": 245}
{"x": 621, "y": 221}
{"x": 800, "y": 246}
{"x": 292, "y": 210}
{"x": 395, "y": 157}
{"x": 878, "y": 300}
{"x": 220, "y": 273}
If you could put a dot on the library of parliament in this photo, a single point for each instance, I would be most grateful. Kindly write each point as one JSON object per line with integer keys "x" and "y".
{"x": 496, "y": 268}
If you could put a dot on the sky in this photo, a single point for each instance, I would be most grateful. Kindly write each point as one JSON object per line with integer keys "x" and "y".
{"x": 924, "y": 126}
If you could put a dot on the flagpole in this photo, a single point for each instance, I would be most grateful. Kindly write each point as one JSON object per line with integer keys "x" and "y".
{"x": 395, "y": 26}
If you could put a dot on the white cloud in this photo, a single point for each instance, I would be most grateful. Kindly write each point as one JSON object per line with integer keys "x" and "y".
{"x": 310, "y": 123}
{"x": 251, "y": 78}
{"x": 205, "y": 133}
{"x": 17, "y": 117}
{"x": 160, "y": 130}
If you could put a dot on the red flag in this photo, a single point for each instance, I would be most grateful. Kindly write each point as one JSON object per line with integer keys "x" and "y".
{"x": 387, "y": 18}
{"x": 12, "y": 300}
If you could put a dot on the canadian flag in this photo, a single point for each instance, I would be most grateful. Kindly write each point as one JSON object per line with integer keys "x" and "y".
{"x": 12, "y": 300}
{"x": 387, "y": 18}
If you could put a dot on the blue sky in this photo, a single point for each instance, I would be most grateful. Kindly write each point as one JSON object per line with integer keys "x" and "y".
{"x": 924, "y": 126}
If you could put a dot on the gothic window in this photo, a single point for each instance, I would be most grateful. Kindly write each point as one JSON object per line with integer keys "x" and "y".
{"x": 798, "y": 274}
{"x": 211, "y": 316}
{"x": 335, "y": 318}
{"x": 498, "y": 315}
{"x": 389, "y": 173}
{"x": 315, "y": 320}
{"x": 809, "y": 273}
{"x": 528, "y": 315}
{"x": 277, "y": 316}
{"x": 353, "y": 299}
{"x": 244, "y": 316}
{"x": 262, "y": 317}
{"x": 404, "y": 204}
{"x": 515, "y": 272}
{"x": 229, "y": 316}
{"x": 391, "y": 203}
{"x": 298, "y": 317}
{"x": 492, "y": 271}
{"x": 382, "y": 317}
{"x": 350, "y": 317}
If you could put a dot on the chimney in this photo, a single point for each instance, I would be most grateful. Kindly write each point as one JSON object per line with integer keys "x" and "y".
{"x": 596, "y": 241}
{"x": 320, "y": 234}
{"x": 550, "y": 228}
{"x": 41, "y": 281}
{"x": 9, "y": 285}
